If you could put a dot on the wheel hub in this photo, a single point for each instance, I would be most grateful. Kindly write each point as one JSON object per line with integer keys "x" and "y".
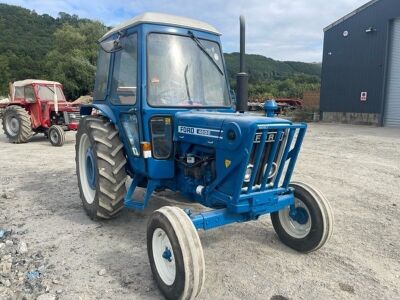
{"x": 296, "y": 220}
{"x": 167, "y": 254}
{"x": 299, "y": 214}
{"x": 90, "y": 168}
{"x": 54, "y": 137}
{"x": 12, "y": 125}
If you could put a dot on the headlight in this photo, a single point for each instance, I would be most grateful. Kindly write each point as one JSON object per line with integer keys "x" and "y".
{"x": 247, "y": 175}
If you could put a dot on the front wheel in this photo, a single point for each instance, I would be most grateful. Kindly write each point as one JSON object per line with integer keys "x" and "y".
{"x": 56, "y": 135}
{"x": 307, "y": 225}
{"x": 175, "y": 253}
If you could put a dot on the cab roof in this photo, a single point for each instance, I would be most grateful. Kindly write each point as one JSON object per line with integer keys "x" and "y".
{"x": 25, "y": 82}
{"x": 163, "y": 19}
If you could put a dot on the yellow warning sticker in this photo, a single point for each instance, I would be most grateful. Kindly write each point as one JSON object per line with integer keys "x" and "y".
{"x": 227, "y": 163}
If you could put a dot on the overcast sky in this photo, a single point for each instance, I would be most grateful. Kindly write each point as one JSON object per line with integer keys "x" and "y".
{"x": 280, "y": 29}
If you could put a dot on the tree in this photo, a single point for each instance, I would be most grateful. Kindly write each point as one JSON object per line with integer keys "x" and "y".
{"x": 73, "y": 59}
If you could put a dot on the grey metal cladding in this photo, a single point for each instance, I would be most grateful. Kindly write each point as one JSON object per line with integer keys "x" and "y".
{"x": 357, "y": 62}
{"x": 392, "y": 104}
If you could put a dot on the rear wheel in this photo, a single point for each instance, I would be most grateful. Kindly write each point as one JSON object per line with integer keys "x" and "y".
{"x": 175, "y": 253}
{"x": 100, "y": 167}
{"x": 17, "y": 124}
{"x": 56, "y": 135}
{"x": 307, "y": 225}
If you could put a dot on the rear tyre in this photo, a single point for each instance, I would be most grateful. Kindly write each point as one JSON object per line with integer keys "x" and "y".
{"x": 175, "y": 253}
{"x": 100, "y": 167}
{"x": 56, "y": 135}
{"x": 17, "y": 124}
{"x": 309, "y": 225}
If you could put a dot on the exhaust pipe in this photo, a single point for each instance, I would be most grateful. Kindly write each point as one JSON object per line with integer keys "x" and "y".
{"x": 242, "y": 77}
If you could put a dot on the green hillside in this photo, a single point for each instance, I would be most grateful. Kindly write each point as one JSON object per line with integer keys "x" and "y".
{"x": 64, "y": 49}
{"x": 261, "y": 68}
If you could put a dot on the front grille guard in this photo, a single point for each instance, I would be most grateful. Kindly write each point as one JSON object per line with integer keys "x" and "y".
{"x": 283, "y": 152}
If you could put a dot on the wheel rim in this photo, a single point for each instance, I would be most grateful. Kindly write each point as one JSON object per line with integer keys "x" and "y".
{"x": 12, "y": 125}
{"x": 296, "y": 221}
{"x": 163, "y": 256}
{"x": 53, "y": 137}
{"x": 87, "y": 171}
{"x": 90, "y": 169}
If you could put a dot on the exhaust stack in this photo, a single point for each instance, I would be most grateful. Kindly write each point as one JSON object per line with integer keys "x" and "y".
{"x": 242, "y": 77}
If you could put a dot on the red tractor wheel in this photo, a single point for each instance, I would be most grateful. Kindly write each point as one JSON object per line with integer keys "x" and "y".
{"x": 56, "y": 135}
{"x": 17, "y": 124}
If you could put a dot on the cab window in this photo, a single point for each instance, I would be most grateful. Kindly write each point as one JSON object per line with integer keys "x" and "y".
{"x": 124, "y": 79}
{"x": 19, "y": 92}
{"x": 103, "y": 66}
{"x": 29, "y": 94}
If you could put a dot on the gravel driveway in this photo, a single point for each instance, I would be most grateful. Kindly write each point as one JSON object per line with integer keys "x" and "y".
{"x": 49, "y": 248}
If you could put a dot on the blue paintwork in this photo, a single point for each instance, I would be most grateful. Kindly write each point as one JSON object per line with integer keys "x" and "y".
{"x": 225, "y": 137}
{"x": 167, "y": 254}
{"x": 91, "y": 169}
{"x": 298, "y": 214}
{"x": 270, "y": 107}
{"x": 132, "y": 203}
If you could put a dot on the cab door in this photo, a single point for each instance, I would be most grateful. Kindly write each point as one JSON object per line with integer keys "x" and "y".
{"x": 124, "y": 98}
{"x": 34, "y": 107}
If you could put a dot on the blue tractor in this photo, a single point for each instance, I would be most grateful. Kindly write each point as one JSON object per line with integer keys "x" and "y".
{"x": 163, "y": 115}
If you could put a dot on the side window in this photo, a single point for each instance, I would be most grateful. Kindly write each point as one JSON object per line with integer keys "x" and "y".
{"x": 29, "y": 94}
{"x": 19, "y": 92}
{"x": 103, "y": 66}
{"x": 124, "y": 81}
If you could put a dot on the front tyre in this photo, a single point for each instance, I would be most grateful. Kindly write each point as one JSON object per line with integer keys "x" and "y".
{"x": 307, "y": 225}
{"x": 56, "y": 135}
{"x": 100, "y": 167}
{"x": 175, "y": 253}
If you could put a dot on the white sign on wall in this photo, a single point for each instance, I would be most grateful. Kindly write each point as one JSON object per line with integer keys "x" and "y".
{"x": 364, "y": 96}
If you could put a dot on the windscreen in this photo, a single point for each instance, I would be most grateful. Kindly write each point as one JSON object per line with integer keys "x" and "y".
{"x": 181, "y": 74}
{"x": 46, "y": 92}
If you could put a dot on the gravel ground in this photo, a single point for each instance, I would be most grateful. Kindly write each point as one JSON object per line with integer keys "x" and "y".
{"x": 52, "y": 250}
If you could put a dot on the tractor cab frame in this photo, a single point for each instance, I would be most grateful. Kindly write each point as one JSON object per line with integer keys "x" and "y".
{"x": 165, "y": 118}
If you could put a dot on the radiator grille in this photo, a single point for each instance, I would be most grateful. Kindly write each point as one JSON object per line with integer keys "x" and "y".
{"x": 271, "y": 149}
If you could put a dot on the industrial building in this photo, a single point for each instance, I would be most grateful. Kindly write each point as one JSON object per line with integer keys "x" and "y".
{"x": 361, "y": 66}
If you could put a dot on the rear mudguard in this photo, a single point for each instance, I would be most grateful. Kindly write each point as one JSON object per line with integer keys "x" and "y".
{"x": 104, "y": 109}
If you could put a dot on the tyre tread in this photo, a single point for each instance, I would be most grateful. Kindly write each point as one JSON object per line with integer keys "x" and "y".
{"x": 110, "y": 156}
{"x": 26, "y": 131}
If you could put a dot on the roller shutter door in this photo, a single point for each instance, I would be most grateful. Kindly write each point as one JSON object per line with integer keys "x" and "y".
{"x": 392, "y": 106}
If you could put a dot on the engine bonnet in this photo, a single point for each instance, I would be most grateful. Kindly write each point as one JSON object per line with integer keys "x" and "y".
{"x": 220, "y": 130}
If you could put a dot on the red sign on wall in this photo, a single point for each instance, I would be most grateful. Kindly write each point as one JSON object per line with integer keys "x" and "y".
{"x": 364, "y": 96}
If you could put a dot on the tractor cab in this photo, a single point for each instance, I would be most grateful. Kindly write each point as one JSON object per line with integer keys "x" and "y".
{"x": 155, "y": 72}
{"x": 163, "y": 115}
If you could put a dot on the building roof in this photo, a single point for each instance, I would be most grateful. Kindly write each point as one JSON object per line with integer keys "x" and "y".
{"x": 368, "y": 4}
{"x": 31, "y": 81}
{"x": 158, "y": 18}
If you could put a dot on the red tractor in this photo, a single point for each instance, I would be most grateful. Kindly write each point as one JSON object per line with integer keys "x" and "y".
{"x": 38, "y": 106}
